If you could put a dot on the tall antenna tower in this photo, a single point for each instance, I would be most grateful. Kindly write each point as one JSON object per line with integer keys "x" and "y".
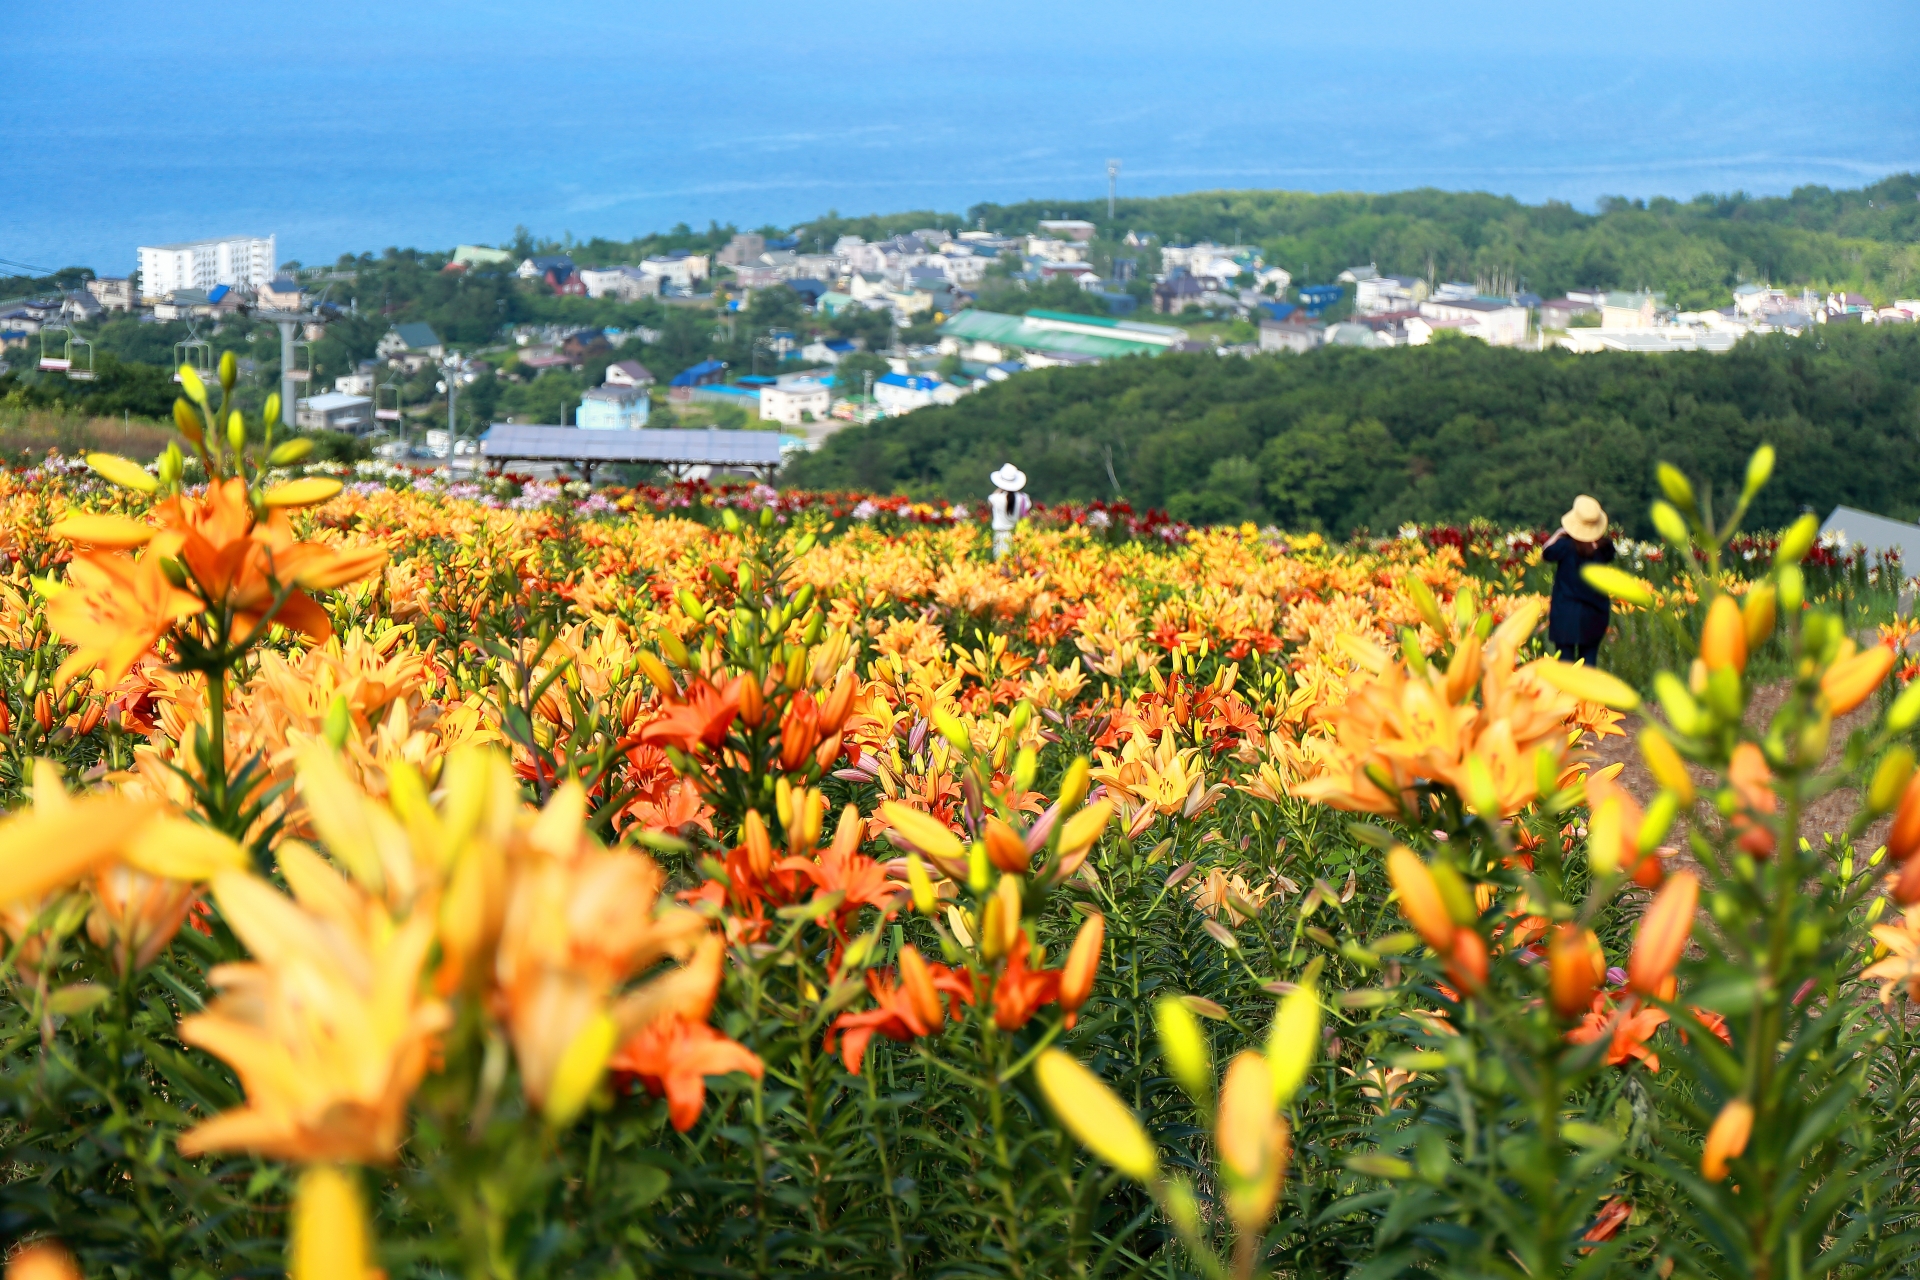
{"x": 1113, "y": 176}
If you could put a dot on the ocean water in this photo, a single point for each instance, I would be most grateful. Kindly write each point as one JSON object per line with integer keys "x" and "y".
{"x": 353, "y": 126}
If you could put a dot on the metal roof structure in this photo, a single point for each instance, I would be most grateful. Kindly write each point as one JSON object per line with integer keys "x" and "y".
{"x": 676, "y": 450}
{"x": 1876, "y": 534}
{"x": 1025, "y": 333}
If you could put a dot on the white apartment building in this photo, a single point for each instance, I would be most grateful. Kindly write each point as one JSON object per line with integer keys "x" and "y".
{"x": 239, "y": 262}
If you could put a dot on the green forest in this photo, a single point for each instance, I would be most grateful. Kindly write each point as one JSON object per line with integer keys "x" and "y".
{"x": 1342, "y": 438}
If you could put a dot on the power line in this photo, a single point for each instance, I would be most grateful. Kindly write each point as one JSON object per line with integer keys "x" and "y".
{"x": 22, "y": 266}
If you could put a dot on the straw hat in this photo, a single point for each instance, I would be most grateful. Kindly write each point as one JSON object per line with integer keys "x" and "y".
{"x": 1013, "y": 479}
{"x": 1586, "y": 521}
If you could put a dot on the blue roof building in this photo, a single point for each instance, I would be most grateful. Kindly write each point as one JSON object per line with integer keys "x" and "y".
{"x": 700, "y": 374}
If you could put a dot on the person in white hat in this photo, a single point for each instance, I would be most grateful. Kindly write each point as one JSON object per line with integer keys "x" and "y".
{"x": 1009, "y": 506}
{"x": 1578, "y": 616}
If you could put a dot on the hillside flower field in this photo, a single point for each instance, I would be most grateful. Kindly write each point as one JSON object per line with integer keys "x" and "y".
{"x": 429, "y": 879}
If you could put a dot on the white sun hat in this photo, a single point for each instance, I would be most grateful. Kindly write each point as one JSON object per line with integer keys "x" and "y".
{"x": 1010, "y": 478}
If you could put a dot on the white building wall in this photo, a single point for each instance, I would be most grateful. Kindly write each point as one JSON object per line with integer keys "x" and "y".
{"x": 240, "y": 262}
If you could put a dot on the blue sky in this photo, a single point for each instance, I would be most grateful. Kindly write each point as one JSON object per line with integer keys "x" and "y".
{"x": 355, "y": 126}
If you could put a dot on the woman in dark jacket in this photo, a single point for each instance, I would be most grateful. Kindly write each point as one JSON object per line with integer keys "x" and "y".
{"x": 1577, "y": 620}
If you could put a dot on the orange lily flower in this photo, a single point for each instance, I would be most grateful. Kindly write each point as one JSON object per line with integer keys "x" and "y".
{"x": 700, "y": 719}
{"x": 1019, "y": 991}
{"x": 114, "y": 610}
{"x": 327, "y": 1027}
{"x": 674, "y": 1056}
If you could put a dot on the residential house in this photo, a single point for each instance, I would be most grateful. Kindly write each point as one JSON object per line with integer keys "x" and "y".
{"x": 1081, "y": 273}
{"x": 833, "y": 302}
{"x": 1559, "y": 313}
{"x": 333, "y": 411}
{"x": 898, "y": 393}
{"x": 745, "y": 247}
{"x": 1421, "y": 329}
{"x": 1378, "y": 294}
{"x": 1292, "y": 334}
{"x": 550, "y": 267}
{"x": 810, "y": 291}
{"x": 1177, "y": 293}
{"x": 360, "y": 382}
{"x": 113, "y": 293}
{"x": 1455, "y": 291}
{"x": 416, "y": 339}
{"x": 80, "y": 306}
{"x": 628, "y": 373}
{"x": 611, "y": 407}
{"x": 1389, "y": 327}
{"x": 283, "y": 293}
{"x": 623, "y": 284}
{"x": 584, "y": 344}
{"x": 817, "y": 266}
{"x": 680, "y": 268}
{"x": 1498, "y": 322}
{"x": 1068, "y": 229}
{"x": 791, "y": 399}
{"x": 1318, "y": 297}
{"x": 683, "y": 384}
{"x": 756, "y": 275}
{"x": 1047, "y": 249}
{"x": 828, "y": 350}
{"x": 966, "y": 263}
{"x": 1630, "y": 310}
{"x": 1354, "y": 275}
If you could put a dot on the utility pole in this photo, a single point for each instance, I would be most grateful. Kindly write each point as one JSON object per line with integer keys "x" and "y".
{"x": 450, "y": 373}
{"x": 1113, "y": 177}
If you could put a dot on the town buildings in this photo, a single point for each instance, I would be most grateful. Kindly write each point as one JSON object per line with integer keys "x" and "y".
{"x": 333, "y": 411}
{"x": 612, "y": 407}
{"x": 239, "y": 262}
{"x": 792, "y": 400}
{"x": 113, "y": 293}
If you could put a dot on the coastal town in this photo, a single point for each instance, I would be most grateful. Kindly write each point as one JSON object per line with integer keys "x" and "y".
{"x": 867, "y": 328}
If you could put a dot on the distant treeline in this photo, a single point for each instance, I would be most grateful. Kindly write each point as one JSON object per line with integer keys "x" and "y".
{"x": 1343, "y": 438}
{"x": 1695, "y": 251}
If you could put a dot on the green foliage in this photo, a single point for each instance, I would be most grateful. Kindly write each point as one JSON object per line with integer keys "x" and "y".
{"x": 1696, "y": 251}
{"x": 1346, "y": 438}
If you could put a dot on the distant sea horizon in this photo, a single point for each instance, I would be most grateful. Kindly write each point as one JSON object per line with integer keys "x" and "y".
{"x": 449, "y": 123}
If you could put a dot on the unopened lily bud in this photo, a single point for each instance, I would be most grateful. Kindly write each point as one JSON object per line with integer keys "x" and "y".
{"x": 1467, "y": 963}
{"x": 236, "y": 432}
{"x": 1005, "y": 849}
{"x": 1096, "y": 1116}
{"x": 1424, "y": 603}
{"x": 1793, "y": 588}
{"x": 1673, "y": 483}
{"x": 271, "y": 414}
{"x": 690, "y": 605}
{"x": 1759, "y": 469}
{"x": 1572, "y": 974}
{"x": 288, "y": 452}
{"x": 1903, "y": 841}
{"x": 1025, "y": 764}
{"x": 949, "y": 727}
{"x": 1606, "y": 833}
{"x": 1683, "y": 713}
{"x": 1665, "y": 764}
{"x": 1252, "y": 1141}
{"x": 1797, "y": 540}
{"x": 1183, "y": 1046}
{"x": 1723, "y": 640}
{"x": 917, "y": 981}
{"x": 1294, "y": 1039}
{"x": 1848, "y": 682}
{"x": 1727, "y": 1139}
{"x": 758, "y": 844}
{"x": 1662, "y": 811}
{"x": 1083, "y": 964}
{"x": 1663, "y": 934}
{"x": 1420, "y": 899}
{"x": 1671, "y": 525}
{"x": 1758, "y": 614}
{"x": 1890, "y": 779}
{"x": 1459, "y": 899}
{"x": 1619, "y": 584}
{"x": 921, "y": 884}
{"x": 172, "y": 464}
{"x": 1073, "y": 786}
